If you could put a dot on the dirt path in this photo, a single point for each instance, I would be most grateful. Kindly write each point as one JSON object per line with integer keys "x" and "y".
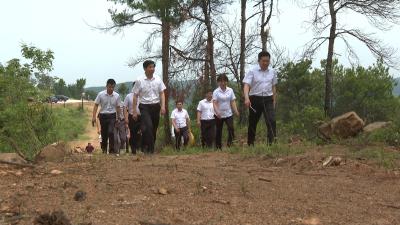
{"x": 214, "y": 188}
{"x": 91, "y": 134}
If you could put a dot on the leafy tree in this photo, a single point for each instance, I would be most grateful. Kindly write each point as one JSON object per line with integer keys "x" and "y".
{"x": 123, "y": 90}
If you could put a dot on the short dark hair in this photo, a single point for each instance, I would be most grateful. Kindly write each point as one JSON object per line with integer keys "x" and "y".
{"x": 111, "y": 81}
{"x": 147, "y": 63}
{"x": 133, "y": 84}
{"x": 179, "y": 100}
{"x": 222, "y": 77}
{"x": 208, "y": 90}
{"x": 263, "y": 54}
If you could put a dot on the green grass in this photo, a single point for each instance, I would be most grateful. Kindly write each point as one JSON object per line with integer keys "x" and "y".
{"x": 65, "y": 124}
{"x": 383, "y": 157}
{"x": 273, "y": 151}
{"x": 70, "y": 123}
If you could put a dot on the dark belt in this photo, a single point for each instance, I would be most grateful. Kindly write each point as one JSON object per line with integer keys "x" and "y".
{"x": 261, "y": 97}
{"x": 108, "y": 115}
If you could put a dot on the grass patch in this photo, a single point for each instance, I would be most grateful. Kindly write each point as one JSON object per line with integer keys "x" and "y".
{"x": 273, "y": 151}
{"x": 70, "y": 123}
{"x": 383, "y": 157}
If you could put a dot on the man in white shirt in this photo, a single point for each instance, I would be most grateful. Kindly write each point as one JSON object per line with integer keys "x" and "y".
{"x": 109, "y": 102}
{"x": 134, "y": 125}
{"x": 260, "y": 97}
{"x": 181, "y": 122}
{"x": 206, "y": 120}
{"x": 150, "y": 93}
{"x": 224, "y": 106}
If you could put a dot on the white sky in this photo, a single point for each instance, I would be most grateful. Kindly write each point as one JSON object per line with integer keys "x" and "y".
{"x": 81, "y": 51}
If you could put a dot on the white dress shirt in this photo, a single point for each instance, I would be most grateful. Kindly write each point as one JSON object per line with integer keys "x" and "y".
{"x": 108, "y": 103}
{"x": 206, "y": 108}
{"x": 128, "y": 103}
{"x": 180, "y": 117}
{"x": 149, "y": 90}
{"x": 224, "y": 98}
{"x": 261, "y": 81}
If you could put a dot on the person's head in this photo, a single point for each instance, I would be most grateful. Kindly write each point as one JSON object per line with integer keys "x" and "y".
{"x": 222, "y": 81}
{"x": 89, "y": 144}
{"x": 209, "y": 95}
{"x": 264, "y": 59}
{"x": 149, "y": 67}
{"x": 110, "y": 86}
{"x": 179, "y": 104}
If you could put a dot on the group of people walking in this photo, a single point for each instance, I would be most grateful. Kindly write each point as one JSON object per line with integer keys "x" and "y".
{"x": 137, "y": 118}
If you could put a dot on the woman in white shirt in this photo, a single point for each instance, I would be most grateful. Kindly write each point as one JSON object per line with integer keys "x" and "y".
{"x": 181, "y": 123}
{"x": 224, "y": 107}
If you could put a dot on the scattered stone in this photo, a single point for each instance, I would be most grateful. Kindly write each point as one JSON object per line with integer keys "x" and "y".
{"x": 77, "y": 150}
{"x": 279, "y": 162}
{"x": 80, "y": 196}
{"x": 54, "y": 218}
{"x": 311, "y": 221}
{"x": 56, "y": 172}
{"x": 221, "y": 202}
{"x": 375, "y": 126}
{"x": 18, "y": 173}
{"x": 264, "y": 179}
{"x": 332, "y": 161}
{"x": 327, "y": 161}
{"x": 162, "y": 191}
{"x": 337, "y": 161}
{"x": 12, "y": 158}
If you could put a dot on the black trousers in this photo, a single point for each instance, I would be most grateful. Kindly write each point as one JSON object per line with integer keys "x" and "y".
{"x": 207, "y": 133}
{"x": 265, "y": 106}
{"x": 135, "y": 134}
{"x": 231, "y": 131}
{"x": 183, "y": 132}
{"x": 150, "y": 118}
{"x": 107, "y": 124}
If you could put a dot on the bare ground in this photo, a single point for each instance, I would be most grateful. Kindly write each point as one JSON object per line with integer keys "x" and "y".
{"x": 204, "y": 189}
{"x": 213, "y": 188}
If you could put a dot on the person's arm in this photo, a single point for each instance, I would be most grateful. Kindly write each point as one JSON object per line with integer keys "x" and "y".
{"x": 275, "y": 95}
{"x": 274, "y": 92}
{"x": 126, "y": 115}
{"x": 161, "y": 89}
{"x": 135, "y": 113}
{"x": 234, "y": 107}
{"x": 94, "y": 114}
{"x": 188, "y": 121}
{"x": 216, "y": 108}
{"x": 98, "y": 126}
{"x": 173, "y": 121}
{"x": 246, "y": 90}
{"x": 162, "y": 97}
{"x": 198, "y": 118}
{"x": 247, "y": 80}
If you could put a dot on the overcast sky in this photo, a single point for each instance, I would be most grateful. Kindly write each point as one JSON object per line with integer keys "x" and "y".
{"x": 81, "y": 51}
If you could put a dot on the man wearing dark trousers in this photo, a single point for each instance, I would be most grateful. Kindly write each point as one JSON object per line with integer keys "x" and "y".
{"x": 134, "y": 125}
{"x": 181, "y": 123}
{"x": 260, "y": 97}
{"x": 109, "y": 102}
{"x": 206, "y": 120}
{"x": 150, "y": 93}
